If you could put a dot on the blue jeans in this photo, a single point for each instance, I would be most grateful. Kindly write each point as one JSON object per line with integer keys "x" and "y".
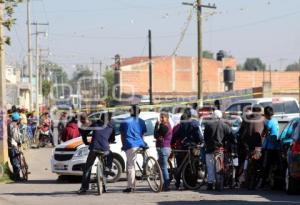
{"x": 163, "y": 155}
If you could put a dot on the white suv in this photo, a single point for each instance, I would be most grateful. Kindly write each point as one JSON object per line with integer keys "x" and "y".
{"x": 285, "y": 108}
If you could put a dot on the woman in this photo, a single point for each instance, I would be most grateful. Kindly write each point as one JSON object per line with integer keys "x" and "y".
{"x": 163, "y": 136}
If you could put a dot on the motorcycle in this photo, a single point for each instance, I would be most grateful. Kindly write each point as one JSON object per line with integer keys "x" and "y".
{"x": 45, "y": 138}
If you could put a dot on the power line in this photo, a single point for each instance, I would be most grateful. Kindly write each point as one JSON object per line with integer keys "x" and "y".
{"x": 185, "y": 28}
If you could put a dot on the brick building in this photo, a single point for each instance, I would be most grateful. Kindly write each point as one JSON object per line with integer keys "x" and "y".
{"x": 177, "y": 76}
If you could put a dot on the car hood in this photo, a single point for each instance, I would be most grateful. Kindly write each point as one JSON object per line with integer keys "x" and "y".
{"x": 73, "y": 143}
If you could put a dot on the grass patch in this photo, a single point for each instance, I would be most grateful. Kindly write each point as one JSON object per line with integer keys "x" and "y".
{"x": 5, "y": 173}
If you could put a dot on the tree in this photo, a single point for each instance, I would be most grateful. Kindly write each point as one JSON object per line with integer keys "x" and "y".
{"x": 81, "y": 71}
{"x": 254, "y": 64}
{"x": 239, "y": 67}
{"x": 109, "y": 76}
{"x": 293, "y": 67}
{"x": 8, "y": 21}
{"x": 208, "y": 54}
{"x": 46, "y": 88}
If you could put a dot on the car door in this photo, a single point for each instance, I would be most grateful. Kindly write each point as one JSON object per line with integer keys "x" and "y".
{"x": 149, "y": 136}
{"x": 287, "y": 133}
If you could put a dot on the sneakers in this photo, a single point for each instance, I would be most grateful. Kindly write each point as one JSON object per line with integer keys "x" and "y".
{"x": 128, "y": 190}
{"x": 210, "y": 187}
{"x": 81, "y": 191}
{"x": 108, "y": 172}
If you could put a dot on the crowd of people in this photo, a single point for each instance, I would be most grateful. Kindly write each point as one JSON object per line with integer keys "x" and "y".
{"x": 258, "y": 129}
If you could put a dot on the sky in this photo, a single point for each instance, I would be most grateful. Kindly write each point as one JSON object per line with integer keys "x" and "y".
{"x": 90, "y": 31}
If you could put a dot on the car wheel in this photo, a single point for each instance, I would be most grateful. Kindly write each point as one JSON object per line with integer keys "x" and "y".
{"x": 290, "y": 183}
{"x": 117, "y": 170}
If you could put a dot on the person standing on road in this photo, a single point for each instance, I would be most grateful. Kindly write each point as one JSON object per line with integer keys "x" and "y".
{"x": 71, "y": 130}
{"x": 187, "y": 133}
{"x": 132, "y": 131}
{"x": 271, "y": 144}
{"x": 102, "y": 132}
{"x": 163, "y": 136}
{"x": 13, "y": 141}
{"x": 216, "y": 133}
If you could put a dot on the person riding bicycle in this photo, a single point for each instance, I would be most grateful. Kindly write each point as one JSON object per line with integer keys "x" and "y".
{"x": 14, "y": 141}
{"x": 46, "y": 126}
{"x": 186, "y": 134}
{"x": 216, "y": 133}
{"x": 102, "y": 133}
{"x": 132, "y": 130}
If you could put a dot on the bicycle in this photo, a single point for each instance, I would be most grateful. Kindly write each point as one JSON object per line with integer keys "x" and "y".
{"x": 23, "y": 165}
{"x": 151, "y": 171}
{"x": 253, "y": 165}
{"x": 219, "y": 168}
{"x": 192, "y": 169}
{"x": 100, "y": 177}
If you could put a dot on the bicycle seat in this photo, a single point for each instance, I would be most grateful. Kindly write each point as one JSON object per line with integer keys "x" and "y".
{"x": 99, "y": 152}
{"x": 142, "y": 149}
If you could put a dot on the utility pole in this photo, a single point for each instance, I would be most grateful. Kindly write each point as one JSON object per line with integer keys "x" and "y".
{"x": 198, "y": 5}
{"x": 150, "y": 67}
{"x": 37, "y": 65}
{"x": 3, "y": 134}
{"x": 29, "y": 55}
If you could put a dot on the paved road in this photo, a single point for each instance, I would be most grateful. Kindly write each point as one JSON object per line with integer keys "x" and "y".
{"x": 43, "y": 188}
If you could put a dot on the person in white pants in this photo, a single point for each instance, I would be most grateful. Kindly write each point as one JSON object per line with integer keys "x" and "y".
{"x": 132, "y": 131}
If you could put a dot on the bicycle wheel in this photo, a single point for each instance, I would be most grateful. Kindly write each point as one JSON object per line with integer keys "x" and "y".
{"x": 100, "y": 177}
{"x": 193, "y": 175}
{"x": 154, "y": 174}
{"x": 23, "y": 167}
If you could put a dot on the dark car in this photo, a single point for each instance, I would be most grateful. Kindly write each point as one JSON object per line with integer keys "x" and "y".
{"x": 290, "y": 139}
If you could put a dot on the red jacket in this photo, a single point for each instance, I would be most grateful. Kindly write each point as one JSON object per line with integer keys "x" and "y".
{"x": 71, "y": 131}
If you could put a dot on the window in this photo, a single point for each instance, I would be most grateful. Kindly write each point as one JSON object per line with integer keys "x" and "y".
{"x": 95, "y": 117}
{"x": 150, "y": 124}
{"x": 291, "y": 107}
{"x": 238, "y": 107}
{"x": 278, "y": 108}
{"x": 116, "y": 126}
{"x": 296, "y": 130}
{"x": 265, "y": 104}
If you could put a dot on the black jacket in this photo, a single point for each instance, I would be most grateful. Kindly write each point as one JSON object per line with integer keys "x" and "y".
{"x": 188, "y": 132}
{"x": 251, "y": 132}
{"x": 101, "y": 136}
{"x": 217, "y": 134}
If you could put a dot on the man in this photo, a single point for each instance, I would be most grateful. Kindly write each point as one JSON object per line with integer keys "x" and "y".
{"x": 271, "y": 144}
{"x": 188, "y": 132}
{"x": 101, "y": 133}
{"x": 216, "y": 133}
{"x": 61, "y": 125}
{"x": 251, "y": 133}
{"x": 13, "y": 140}
{"x": 132, "y": 131}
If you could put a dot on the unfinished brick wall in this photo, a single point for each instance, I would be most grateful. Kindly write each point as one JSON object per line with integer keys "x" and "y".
{"x": 174, "y": 75}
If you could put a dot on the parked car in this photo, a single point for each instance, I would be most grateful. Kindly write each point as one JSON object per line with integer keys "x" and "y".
{"x": 69, "y": 158}
{"x": 285, "y": 108}
{"x": 290, "y": 138}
